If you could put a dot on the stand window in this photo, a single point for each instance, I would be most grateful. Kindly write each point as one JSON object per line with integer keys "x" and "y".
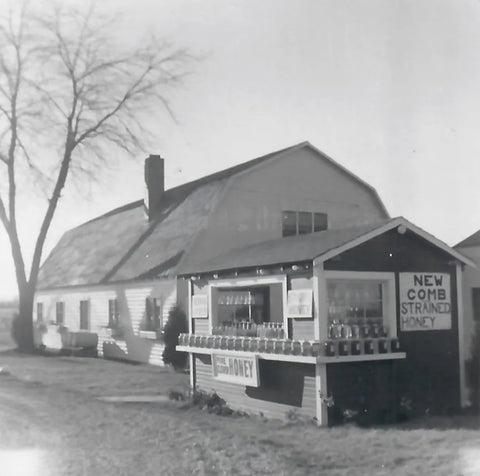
{"x": 237, "y": 305}
{"x": 356, "y": 309}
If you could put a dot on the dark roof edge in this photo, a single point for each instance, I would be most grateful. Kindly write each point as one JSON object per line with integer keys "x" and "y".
{"x": 123, "y": 208}
{"x": 234, "y": 169}
{"x": 107, "y": 284}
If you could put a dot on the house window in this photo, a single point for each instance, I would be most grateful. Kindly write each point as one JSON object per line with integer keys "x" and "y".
{"x": 243, "y": 305}
{"x": 305, "y": 220}
{"x": 152, "y": 320}
{"x": 356, "y": 309}
{"x": 84, "y": 315}
{"x": 113, "y": 313}
{"x": 320, "y": 221}
{"x": 301, "y": 223}
{"x": 60, "y": 313}
{"x": 289, "y": 225}
{"x": 476, "y": 304}
{"x": 39, "y": 311}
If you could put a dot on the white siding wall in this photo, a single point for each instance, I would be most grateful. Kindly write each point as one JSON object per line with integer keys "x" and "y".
{"x": 131, "y": 298}
{"x": 471, "y": 279}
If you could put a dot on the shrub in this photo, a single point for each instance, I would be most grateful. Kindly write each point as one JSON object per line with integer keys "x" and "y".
{"x": 18, "y": 331}
{"x": 177, "y": 324}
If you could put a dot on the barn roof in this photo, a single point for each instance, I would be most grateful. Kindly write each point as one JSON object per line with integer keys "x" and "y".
{"x": 123, "y": 245}
{"x": 321, "y": 246}
{"x": 472, "y": 240}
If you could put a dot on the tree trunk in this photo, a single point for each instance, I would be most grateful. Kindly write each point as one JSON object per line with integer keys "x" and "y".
{"x": 23, "y": 331}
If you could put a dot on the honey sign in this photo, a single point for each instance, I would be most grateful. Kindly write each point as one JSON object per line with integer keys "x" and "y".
{"x": 242, "y": 370}
{"x": 425, "y": 302}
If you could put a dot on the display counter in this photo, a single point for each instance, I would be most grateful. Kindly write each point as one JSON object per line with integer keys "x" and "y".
{"x": 329, "y": 351}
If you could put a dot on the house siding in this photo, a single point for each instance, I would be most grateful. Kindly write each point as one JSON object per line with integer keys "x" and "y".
{"x": 471, "y": 279}
{"x": 131, "y": 299}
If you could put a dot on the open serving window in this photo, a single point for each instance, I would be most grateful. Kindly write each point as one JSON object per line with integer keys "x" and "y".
{"x": 243, "y": 305}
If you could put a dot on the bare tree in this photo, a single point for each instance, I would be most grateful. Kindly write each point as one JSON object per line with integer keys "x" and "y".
{"x": 69, "y": 91}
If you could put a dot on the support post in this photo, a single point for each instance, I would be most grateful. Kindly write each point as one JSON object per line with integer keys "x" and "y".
{"x": 321, "y": 394}
{"x": 461, "y": 336}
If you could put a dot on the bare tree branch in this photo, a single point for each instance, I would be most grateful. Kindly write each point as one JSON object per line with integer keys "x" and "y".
{"x": 68, "y": 91}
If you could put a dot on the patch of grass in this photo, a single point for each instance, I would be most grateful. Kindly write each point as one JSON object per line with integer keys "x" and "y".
{"x": 49, "y": 404}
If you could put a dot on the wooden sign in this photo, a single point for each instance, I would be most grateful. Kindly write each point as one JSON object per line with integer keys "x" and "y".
{"x": 200, "y": 306}
{"x": 425, "y": 302}
{"x": 242, "y": 370}
{"x": 299, "y": 303}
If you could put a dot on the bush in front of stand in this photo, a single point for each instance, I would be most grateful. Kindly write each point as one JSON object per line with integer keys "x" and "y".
{"x": 177, "y": 324}
{"x": 211, "y": 402}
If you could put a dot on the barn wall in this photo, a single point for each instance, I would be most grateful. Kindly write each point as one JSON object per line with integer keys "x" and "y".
{"x": 251, "y": 209}
{"x": 284, "y": 387}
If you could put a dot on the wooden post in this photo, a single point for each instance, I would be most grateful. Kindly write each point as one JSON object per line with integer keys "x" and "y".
{"x": 461, "y": 336}
{"x": 321, "y": 394}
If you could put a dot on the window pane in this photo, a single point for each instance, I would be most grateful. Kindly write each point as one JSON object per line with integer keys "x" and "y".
{"x": 289, "y": 225}
{"x": 320, "y": 221}
{"x": 84, "y": 324}
{"x": 235, "y": 305}
{"x": 354, "y": 304}
{"x": 39, "y": 311}
{"x": 304, "y": 223}
{"x": 60, "y": 312}
{"x": 157, "y": 311}
{"x": 113, "y": 313}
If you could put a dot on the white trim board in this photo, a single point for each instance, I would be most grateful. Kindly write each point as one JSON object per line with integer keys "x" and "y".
{"x": 306, "y": 359}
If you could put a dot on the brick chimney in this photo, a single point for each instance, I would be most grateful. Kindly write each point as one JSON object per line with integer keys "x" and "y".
{"x": 154, "y": 184}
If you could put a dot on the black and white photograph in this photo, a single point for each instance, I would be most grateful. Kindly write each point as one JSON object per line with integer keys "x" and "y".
{"x": 239, "y": 237}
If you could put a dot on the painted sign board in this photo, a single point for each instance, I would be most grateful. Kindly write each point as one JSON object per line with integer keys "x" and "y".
{"x": 299, "y": 303}
{"x": 200, "y": 305}
{"x": 425, "y": 302}
{"x": 242, "y": 370}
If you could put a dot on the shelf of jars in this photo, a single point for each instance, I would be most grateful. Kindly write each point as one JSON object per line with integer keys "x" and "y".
{"x": 271, "y": 330}
{"x": 329, "y": 351}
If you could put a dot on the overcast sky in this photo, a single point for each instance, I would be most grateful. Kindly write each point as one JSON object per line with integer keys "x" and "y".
{"x": 390, "y": 89}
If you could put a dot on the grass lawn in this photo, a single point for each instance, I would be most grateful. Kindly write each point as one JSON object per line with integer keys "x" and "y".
{"x": 52, "y": 424}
